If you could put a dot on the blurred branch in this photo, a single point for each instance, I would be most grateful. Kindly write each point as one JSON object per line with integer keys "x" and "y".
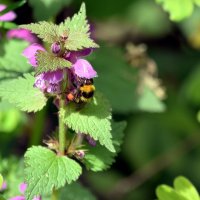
{"x": 161, "y": 162}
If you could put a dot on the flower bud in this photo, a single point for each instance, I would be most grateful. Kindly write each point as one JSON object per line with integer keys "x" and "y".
{"x": 80, "y": 154}
{"x": 56, "y": 47}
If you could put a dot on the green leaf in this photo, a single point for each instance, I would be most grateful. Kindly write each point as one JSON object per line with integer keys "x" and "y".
{"x": 93, "y": 119}
{"x": 13, "y": 6}
{"x": 47, "y": 31}
{"x": 98, "y": 158}
{"x": 185, "y": 188}
{"x": 1, "y": 180}
{"x": 46, "y": 9}
{"x": 190, "y": 87}
{"x": 2, "y": 198}
{"x": 197, "y": 2}
{"x": 165, "y": 192}
{"x": 12, "y": 63}
{"x": 78, "y": 31}
{"x": 49, "y": 62}
{"x": 178, "y": 9}
{"x": 22, "y": 94}
{"x": 75, "y": 191}
{"x": 45, "y": 171}
{"x": 8, "y": 25}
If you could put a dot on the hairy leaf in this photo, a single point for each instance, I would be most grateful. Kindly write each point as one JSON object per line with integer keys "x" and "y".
{"x": 22, "y": 94}
{"x": 47, "y": 31}
{"x": 45, "y": 171}
{"x": 98, "y": 158}
{"x": 12, "y": 63}
{"x": 49, "y": 62}
{"x": 93, "y": 119}
{"x": 78, "y": 31}
{"x": 75, "y": 191}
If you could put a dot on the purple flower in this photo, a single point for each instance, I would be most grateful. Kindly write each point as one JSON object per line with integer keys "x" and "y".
{"x": 73, "y": 56}
{"x": 31, "y": 51}
{"x": 9, "y": 16}
{"x": 83, "y": 69}
{"x": 49, "y": 81}
{"x": 23, "y": 34}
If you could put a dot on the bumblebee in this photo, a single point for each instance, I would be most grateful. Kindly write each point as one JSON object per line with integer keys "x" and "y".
{"x": 83, "y": 91}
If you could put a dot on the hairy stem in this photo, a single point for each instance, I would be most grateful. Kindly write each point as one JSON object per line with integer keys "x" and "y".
{"x": 62, "y": 129}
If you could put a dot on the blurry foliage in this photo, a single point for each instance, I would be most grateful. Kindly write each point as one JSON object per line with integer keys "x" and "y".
{"x": 47, "y": 9}
{"x": 121, "y": 78}
{"x": 12, "y": 63}
{"x": 12, "y": 171}
{"x": 179, "y": 9}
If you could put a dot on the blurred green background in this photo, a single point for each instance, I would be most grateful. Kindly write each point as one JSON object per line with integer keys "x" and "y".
{"x": 149, "y": 69}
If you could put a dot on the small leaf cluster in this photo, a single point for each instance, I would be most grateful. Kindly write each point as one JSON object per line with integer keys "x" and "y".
{"x": 183, "y": 190}
{"x": 178, "y": 9}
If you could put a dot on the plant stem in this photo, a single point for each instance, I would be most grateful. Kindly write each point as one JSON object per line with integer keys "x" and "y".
{"x": 54, "y": 195}
{"x": 62, "y": 129}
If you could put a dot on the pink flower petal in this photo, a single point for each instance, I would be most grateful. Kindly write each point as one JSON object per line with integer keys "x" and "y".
{"x": 84, "y": 69}
{"x": 40, "y": 82}
{"x": 54, "y": 76}
{"x": 22, "y": 187}
{"x": 30, "y": 53}
{"x": 9, "y": 16}
{"x": 23, "y": 34}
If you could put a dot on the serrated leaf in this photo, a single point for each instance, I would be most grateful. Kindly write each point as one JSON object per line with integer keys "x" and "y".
{"x": 75, "y": 191}
{"x": 93, "y": 119}
{"x": 22, "y": 94}
{"x": 78, "y": 32}
{"x": 47, "y": 31}
{"x": 165, "y": 192}
{"x": 12, "y": 63}
{"x": 98, "y": 158}
{"x": 49, "y": 62}
{"x": 185, "y": 188}
{"x": 178, "y": 9}
{"x": 45, "y": 171}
